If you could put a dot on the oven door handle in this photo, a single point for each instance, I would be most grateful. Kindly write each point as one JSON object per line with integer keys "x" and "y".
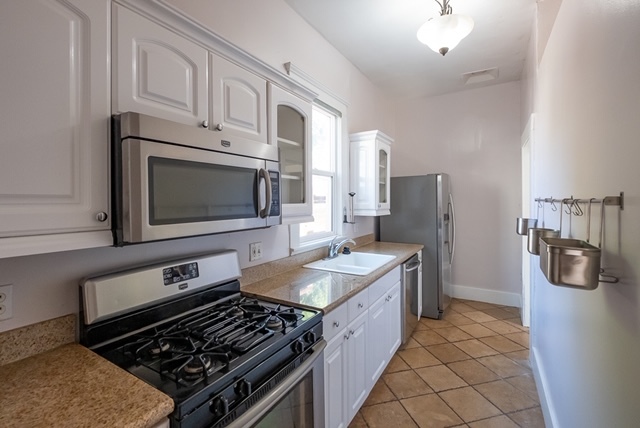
{"x": 253, "y": 415}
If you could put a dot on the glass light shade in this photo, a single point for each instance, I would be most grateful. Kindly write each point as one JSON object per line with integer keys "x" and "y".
{"x": 443, "y": 33}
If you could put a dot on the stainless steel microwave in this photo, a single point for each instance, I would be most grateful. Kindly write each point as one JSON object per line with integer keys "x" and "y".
{"x": 171, "y": 180}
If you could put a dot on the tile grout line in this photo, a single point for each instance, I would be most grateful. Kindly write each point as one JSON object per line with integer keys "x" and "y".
{"x": 509, "y": 326}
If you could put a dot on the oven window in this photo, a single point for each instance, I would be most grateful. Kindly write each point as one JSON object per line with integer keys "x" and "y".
{"x": 185, "y": 191}
{"x": 294, "y": 410}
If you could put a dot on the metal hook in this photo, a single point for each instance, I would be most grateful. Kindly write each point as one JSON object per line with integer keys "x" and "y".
{"x": 553, "y": 205}
{"x": 589, "y": 219}
{"x": 540, "y": 204}
{"x": 565, "y": 202}
{"x": 577, "y": 209}
{"x": 568, "y": 206}
{"x": 601, "y": 224}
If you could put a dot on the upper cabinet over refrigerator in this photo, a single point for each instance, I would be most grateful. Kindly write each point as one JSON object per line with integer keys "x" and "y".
{"x": 370, "y": 173}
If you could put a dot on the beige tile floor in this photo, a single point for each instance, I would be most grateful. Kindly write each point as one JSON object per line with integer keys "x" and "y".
{"x": 470, "y": 369}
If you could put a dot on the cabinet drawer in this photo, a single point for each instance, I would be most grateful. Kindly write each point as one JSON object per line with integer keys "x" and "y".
{"x": 382, "y": 285}
{"x": 358, "y": 304}
{"x": 334, "y": 322}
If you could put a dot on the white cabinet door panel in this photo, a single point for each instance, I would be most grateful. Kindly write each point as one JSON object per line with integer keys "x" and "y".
{"x": 239, "y": 100}
{"x": 335, "y": 373}
{"x": 157, "y": 72}
{"x": 358, "y": 385}
{"x": 377, "y": 354}
{"x": 394, "y": 311}
{"x": 55, "y": 116}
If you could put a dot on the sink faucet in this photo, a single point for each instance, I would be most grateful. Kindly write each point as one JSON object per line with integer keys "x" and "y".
{"x": 334, "y": 246}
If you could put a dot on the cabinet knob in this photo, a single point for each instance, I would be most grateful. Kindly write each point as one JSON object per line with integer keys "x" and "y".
{"x": 102, "y": 216}
{"x": 218, "y": 127}
{"x": 205, "y": 124}
{"x": 360, "y": 305}
{"x": 336, "y": 324}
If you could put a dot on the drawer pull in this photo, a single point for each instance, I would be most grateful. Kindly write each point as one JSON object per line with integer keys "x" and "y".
{"x": 360, "y": 305}
{"x": 336, "y": 323}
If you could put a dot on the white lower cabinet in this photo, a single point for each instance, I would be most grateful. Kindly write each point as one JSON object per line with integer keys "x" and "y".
{"x": 357, "y": 385}
{"x": 335, "y": 367}
{"x": 361, "y": 340}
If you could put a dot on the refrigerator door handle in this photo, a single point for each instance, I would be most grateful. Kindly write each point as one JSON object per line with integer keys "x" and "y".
{"x": 452, "y": 229}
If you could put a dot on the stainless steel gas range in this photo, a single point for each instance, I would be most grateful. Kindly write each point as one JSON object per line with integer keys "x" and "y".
{"x": 226, "y": 360}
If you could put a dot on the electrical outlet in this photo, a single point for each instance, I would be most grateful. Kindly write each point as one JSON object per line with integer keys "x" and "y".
{"x": 6, "y": 301}
{"x": 255, "y": 251}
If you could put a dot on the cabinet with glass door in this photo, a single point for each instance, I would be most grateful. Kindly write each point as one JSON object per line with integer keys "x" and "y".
{"x": 370, "y": 173}
{"x": 290, "y": 123}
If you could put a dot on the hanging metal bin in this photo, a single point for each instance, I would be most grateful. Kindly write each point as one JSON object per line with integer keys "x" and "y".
{"x": 570, "y": 262}
{"x": 524, "y": 224}
{"x": 533, "y": 238}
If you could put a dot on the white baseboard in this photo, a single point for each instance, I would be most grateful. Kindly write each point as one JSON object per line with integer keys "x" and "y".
{"x": 484, "y": 295}
{"x": 550, "y": 420}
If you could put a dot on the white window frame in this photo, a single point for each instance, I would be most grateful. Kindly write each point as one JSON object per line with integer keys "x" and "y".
{"x": 338, "y": 107}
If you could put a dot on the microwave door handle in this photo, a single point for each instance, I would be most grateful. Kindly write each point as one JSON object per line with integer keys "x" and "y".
{"x": 263, "y": 173}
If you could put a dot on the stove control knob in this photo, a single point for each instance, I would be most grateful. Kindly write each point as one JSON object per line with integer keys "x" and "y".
{"x": 310, "y": 337}
{"x": 243, "y": 388}
{"x": 297, "y": 346}
{"x": 219, "y": 406}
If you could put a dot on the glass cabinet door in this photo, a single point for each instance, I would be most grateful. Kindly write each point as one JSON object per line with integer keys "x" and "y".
{"x": 291, "y": 141}
{"x": 382, "y": 176}
{"x": 290, "y": 130}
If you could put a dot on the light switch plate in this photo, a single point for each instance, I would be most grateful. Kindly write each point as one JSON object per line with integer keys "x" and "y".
{"x": 255, "y": 251}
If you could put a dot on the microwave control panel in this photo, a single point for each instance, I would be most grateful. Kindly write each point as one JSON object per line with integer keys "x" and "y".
{"x": 274, "y": 211}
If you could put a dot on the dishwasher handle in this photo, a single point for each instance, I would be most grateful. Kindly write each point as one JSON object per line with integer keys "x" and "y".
{"x": 412, "y": 266}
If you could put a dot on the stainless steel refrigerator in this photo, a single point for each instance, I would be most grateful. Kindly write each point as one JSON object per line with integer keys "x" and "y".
{"x": 422, "y": 212}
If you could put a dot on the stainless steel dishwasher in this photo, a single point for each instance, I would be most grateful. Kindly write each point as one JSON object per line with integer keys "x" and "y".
{"x": 411, "y": 294}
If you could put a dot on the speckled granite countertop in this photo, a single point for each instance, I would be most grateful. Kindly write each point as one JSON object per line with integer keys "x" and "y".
{"x": 70, "y": 386}
{"x": 327, "y": 290}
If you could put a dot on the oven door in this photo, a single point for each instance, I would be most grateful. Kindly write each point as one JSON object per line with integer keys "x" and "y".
{"x": 296, "y": 402}
{"x": 171, "y": 191}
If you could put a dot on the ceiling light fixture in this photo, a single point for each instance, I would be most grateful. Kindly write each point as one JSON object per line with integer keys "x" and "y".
{"x": 444, "y": 32}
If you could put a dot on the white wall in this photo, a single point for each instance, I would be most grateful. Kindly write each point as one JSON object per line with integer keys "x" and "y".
{"x": 475, "y": 137}
{"x": 46, "y": 286}
{"x": 586, "y": 344}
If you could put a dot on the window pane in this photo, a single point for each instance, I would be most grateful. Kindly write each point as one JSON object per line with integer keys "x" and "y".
{"x": 322, "y": 207}
{"x": 323, "y": 139}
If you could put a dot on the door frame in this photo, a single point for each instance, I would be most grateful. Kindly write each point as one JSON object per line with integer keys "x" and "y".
{"x": 527, "y": 141}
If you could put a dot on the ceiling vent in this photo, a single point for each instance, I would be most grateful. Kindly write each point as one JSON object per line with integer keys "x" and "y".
{"x": 480, "y": 76}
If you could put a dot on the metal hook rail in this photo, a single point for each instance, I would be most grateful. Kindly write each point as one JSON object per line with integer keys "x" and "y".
{"x": 608, "y": 200}
{"x": 573, "y": 207}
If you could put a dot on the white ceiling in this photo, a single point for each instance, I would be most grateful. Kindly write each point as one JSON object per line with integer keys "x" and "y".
{"x": 379, "y": 38}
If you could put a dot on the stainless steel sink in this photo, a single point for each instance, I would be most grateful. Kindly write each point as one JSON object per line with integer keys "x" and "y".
{"x": 352, "y": 264}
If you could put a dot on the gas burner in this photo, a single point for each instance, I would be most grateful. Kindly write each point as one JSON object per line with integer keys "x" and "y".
{"x": 197, "y": 365}
{"x": 273, "y": 318}
{"x": 236, "y": 311}
{"x": 274, "y": 323}
{"x": 162, "y": 346}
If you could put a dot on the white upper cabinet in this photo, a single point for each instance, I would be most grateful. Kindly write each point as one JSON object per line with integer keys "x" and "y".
{"x": 290, "y": 130}
{"x": 157, "y": 72}
{"x": 370, "y": 173}
{"x": 55, "y": 125}
{"x": 239, "y": 101}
